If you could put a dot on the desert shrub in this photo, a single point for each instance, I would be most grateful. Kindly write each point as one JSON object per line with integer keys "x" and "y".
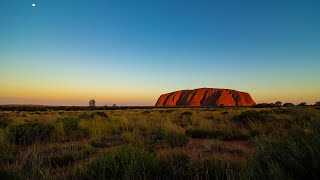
{"x": 64, "y": 155}
{"x": 145, "y": 112}
{"x": 288, "y": 105}
{"x": 86, "y": 115}
{"x": 176, "y": 138}
{"x": 166, "y": 111}
{"x": 225, "y": 113}
{"x": 30, "y": 133}
{"x": 125, "y": 162}
{"x": 154, "y": 137}
{"x": 102, "y": 114}
{"x": 186, "y": 113}
{"x": 4, "y": 120}
{"x": 71, "y": 128}
{"x": 173, "y": 164}
{"x": 37, "y": 162}
{"x": 108, "y": 141}
{"x": 296, "y": 156}
{"x": 223, "y": 134}
{"x": 183, "y": 121}
{"x": 252, "y": 116}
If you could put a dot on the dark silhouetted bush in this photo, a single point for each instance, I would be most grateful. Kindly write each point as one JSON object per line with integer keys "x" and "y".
{"x": 288, "y": 105}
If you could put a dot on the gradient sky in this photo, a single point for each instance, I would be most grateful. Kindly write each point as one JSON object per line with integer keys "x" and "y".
{"x": 65, "y": 52}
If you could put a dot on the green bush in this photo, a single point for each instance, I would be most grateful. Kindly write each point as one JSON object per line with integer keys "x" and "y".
{"x": 252, "y": 116}
{"x": 102, "y": 114}
{"x": 186, "y": 113}
{"x": 30, "y": 133}
{"x": 86, "y": 115}
{"x": 176, "y": 139}
{"x": 183, "y": 121}
{"x": 126, "y": 162}
{"x": 72, "y": 129}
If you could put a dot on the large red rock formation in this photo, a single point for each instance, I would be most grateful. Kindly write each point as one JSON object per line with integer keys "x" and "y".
{"x": 206, "y": 97}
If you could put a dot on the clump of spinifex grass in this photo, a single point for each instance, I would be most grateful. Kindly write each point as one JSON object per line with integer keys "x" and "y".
{"x": 126, "y": 162}
{"x": 30, "y": 133}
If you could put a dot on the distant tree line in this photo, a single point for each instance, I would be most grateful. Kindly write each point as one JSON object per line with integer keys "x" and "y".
{"x": 280, "y": 104}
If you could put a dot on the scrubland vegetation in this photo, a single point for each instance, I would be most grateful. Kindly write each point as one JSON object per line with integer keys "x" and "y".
{"x": 166, "y": 143}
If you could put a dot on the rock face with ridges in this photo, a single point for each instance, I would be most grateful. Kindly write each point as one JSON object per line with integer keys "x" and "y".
{"x": 206, "y": 97}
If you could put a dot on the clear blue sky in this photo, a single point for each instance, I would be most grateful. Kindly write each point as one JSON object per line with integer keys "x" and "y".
{"x": 65, "y": 52}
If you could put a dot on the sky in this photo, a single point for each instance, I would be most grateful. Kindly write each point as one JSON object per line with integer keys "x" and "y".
{"x": 125, "y": 52}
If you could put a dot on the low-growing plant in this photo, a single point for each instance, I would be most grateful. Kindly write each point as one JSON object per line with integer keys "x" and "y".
{"x": 252, "y": 116}
{"x": 102, "y": 114}
{"x": 4, "y": 120}
{"x": 296, "y": 156}
{"x": 186, "y": 113}
{"x": 86, "y": 115}
{"x": 125, "y": 162}
{"x": 176, "y": 138}
{"x": 30, "y": 133}
{"x": 173, "y": 164}
{"x": 72, "y": 129}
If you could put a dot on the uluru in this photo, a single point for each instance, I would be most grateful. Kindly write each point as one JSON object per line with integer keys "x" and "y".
{"x": 206, "y": 97}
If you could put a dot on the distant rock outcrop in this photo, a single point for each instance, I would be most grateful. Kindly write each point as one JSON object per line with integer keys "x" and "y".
{"x": 206, "y": 97}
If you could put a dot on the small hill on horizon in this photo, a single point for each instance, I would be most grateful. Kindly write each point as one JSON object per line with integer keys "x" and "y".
{"x": 206, "y": 97}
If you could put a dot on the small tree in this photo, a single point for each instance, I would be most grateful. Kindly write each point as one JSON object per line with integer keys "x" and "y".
{"x": 278, "y": 103}
{"x": 92, "y": 103}
{"x": 114, "y": 105}
{"x": 317, "y": 103}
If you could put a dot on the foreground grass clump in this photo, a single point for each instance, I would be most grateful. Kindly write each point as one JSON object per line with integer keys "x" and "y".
{"x": 296, "y": 156}
{"x": 72, "y": 130}
{"x": 173, "y": 164}
{"x": 176, "y": 138}
{"x": 126, "y": 162}
{"x": 4, "y": 120}
{"x": 30, "y": 133}
{"x": 38, "y": 162}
